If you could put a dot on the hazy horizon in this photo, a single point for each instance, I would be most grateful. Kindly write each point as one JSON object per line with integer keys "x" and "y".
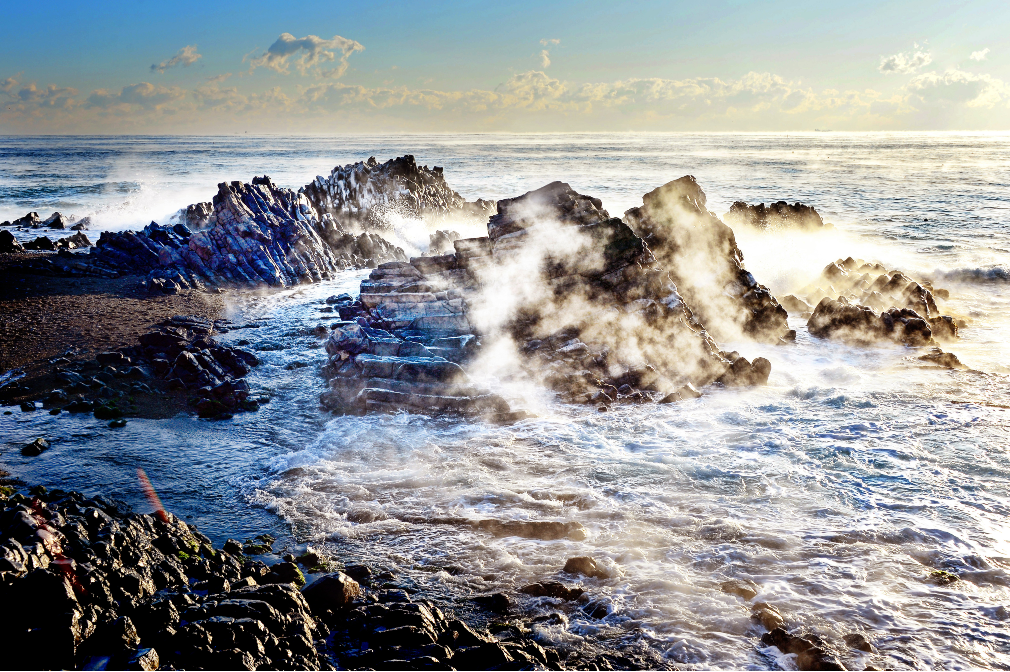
{"x": 394, "y": 67}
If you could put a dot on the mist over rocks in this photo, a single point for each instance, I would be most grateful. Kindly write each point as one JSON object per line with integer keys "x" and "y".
{"x": 362, "y": 194}
{"x": 558, "y": 289}
{"x": 776, "y": 216}
{"x": 862, "y": 302}
{"x": 702, "y": 257}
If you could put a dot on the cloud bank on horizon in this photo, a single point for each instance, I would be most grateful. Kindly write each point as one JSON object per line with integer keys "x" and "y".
{"x": 310, "y": 83}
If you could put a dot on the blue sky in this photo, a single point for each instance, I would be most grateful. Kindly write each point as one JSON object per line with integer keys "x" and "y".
{"x": 606, "y": 66}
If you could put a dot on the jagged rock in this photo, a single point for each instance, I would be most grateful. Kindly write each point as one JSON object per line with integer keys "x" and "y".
{"x": 197, "y": 216}
{"x": 8, "y": 244}
{"x": 872, "y": 286}
{"x": 706, "y": 264}
{"x": 586, "y": 566}
{"x": 73, "y": 242}
{"x": 441, "y": 242}
{"x": 601, "y": 305}
{"x": 29, "y": 221}
{"x": 775, "y": 217}
{"x": 36, "y": 447}
{"x": 554, "y": 589}
{"x": 362, "y": 194}
{"x": 56, "y": 221}
{"x": 82, "y": 224}
{"x": 256, "y": 234}
{"x": 945, "y": 360}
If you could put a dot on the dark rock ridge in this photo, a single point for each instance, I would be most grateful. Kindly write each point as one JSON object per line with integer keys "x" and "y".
{"x": 88, "y": 584}
{"x": 33, "y": 221}
{"x": 361, "y": 194}
{"x": 776, "y": 216}
{"x": 601, "y": 319}
{"x": 702, "y": 257}
{"x": 256, "y": 234}
{"x": 863, "y": 302}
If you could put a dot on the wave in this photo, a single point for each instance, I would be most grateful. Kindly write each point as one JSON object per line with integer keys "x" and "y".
{"x": 991, "y": 274}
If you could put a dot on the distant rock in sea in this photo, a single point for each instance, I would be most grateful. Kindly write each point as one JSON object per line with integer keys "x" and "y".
{"x": 776, "y": 216}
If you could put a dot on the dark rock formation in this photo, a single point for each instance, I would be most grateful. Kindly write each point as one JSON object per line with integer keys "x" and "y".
{"x": 56, "y": 221}
{"x": 853, "y": 323}
{"x": 88, "y": 584}
{"x": 775, "y": 217}
{"x": 82, "y": 224}
{"x": 41, "y": 244}
{"x": 441, "y": 242}
{"x": 29, "y": 221}
{"x": 9, "y": 244}
{"x": 256, "y": 234}
{"x": 702, "y": 257}
{"x": 596, "y": 317}
{"x": 361, "y": 194}
{"x": 874, "y": 303}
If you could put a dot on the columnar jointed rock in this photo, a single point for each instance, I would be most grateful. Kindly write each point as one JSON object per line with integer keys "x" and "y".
{"x": 702, "y": 257}
{"x": 775, "y": 217}
{"x": 364, "y": 193}
{"x": 863, "y": 302}
{"x": 596, "y": 317}
{"x": 256, "y": 234}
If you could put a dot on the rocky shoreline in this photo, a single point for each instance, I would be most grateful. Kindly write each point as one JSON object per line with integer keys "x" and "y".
{"x": 103, "y": 587}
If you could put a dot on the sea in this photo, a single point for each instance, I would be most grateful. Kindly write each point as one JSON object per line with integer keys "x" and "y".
{"x": 842, "y": 489}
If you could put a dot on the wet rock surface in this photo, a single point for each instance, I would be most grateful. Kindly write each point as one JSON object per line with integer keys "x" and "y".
{"x": 701, "y": 255}
{"x": 401, "y": 343}
{"x": 863, "y": 303}
{"x": 101, "y": 587}
{"x": 776, "y": 216}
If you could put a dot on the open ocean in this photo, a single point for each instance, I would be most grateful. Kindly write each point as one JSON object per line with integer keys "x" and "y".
{"x": 838, "y": 488}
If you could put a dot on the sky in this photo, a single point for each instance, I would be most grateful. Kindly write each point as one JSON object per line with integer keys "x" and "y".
{"x": 343, "y": 67}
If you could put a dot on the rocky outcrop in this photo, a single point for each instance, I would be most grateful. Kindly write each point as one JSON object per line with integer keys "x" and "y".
{"x": 363, "y": 194}
{"x": 776, "y": 216}
{"x": 86, "y": 583}
{"x": 9, "y": 244}
{"x": 57, "y": 221}
{"x": 702, "y": 257}
{"x": 594, "y": 315}
{"x": 256, "y": 234}
{"x": 29, "y": 221}
{"x": 862, "y": 302}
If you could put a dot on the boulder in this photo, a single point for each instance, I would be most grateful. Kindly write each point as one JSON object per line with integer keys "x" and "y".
{"x": 706, "y": 264}
{"x": 36, "y": 447}
{"x": 852, "y": 323}
{"x": 586, "y": 566}
{"x": 41, "y": 244}
{"x": 8, "y": 244}
{"x": 56, "y": 221}
{"x": 332, "y": 592}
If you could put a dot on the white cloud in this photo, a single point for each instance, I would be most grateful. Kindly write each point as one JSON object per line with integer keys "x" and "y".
{"x": 52, "y": 95}
{"x": 545, "y": 54}
{"x": 314, "y": 51}
{"x": 143, "y": 95}
{"x": 979, "y": 55}
{"x": 957, "y": 87}
{"x": 905, "y": 63}
{"x": 186, "y": 57}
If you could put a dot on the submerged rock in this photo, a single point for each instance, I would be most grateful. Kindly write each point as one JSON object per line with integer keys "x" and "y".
{"x": 775, "y": 217}
{"x": 703, "y": 259}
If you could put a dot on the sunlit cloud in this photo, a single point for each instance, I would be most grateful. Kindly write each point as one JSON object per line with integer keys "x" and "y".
{"x": 186, "y": 57}
{"x": 956, "y": 87}
{"x": 979, "y": 55}
{"x": 545, "y": 58}
{"x": 144, "y": 95}
{"x": 52, "y": 95}
{"x": 311, "y": 51}
{"x": 905, "y": 63}
{"x": 545, "y": 54}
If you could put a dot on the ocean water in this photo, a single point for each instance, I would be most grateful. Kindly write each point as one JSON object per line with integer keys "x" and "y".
{"x": 839, "y": 488}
